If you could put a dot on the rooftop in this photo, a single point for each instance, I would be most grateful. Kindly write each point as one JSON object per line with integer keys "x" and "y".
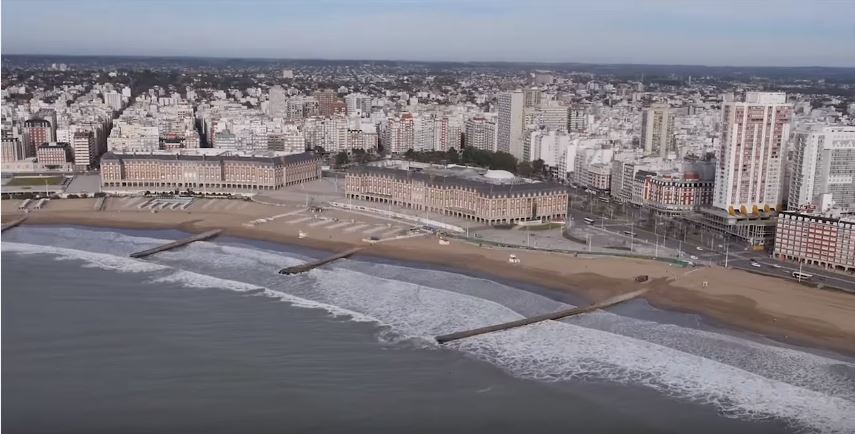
{"x": 447, "y": 178}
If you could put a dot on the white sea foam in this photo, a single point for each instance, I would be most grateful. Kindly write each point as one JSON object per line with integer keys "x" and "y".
{"x": 741, "y": 377}
{"x": 223, "y": 256}
{"x": 195, "y": 280}
{"x": 76, "y": 235}
{"x": 91, "y": 259}
{"x": 416, "y": 311}
{"x": 556, "y": 351}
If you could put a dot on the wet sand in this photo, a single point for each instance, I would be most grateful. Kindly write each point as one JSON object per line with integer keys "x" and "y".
{"x": 777, "y": 308}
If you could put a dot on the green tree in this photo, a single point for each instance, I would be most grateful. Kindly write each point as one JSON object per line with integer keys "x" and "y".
{"x": 524, "y": 169}
{"x": 538, "y": 167}
{"x": 503, "y": 161}
{"x": 410, "y": 154}
{"x": 452, "y": 156}
{"x": 341, "y": 159}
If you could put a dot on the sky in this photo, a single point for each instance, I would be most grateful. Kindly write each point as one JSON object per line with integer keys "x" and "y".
{"x": 696, "y": 32}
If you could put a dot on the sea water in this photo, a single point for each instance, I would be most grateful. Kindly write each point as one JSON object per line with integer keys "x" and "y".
{"x": 210, "y": 338}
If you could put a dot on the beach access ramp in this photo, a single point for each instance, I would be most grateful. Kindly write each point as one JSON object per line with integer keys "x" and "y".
{"x": 549, "y": 316}
{"x": 302, "y": 268}
{"x": 177, "y": 243}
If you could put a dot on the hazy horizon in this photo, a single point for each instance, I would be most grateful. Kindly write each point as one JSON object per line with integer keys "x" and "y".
{"x": 756, "y": 33}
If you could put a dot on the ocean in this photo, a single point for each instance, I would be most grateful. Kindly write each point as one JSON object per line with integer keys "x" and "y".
{"x": 210, "y": 338}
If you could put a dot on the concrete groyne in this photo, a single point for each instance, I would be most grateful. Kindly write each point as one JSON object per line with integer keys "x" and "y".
{"x": 177, "y": 243}
{"x": 12, "y": 224}
{"x": 549, "y": 316}
{"x": 302, "y": 268}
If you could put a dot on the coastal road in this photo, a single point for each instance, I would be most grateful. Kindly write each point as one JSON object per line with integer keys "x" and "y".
{"x": 700, "y": 247}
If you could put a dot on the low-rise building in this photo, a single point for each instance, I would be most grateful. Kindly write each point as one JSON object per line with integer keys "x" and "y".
{"x": 206, "y": 172}
{"x": 484, "y": 202}
{"x": 816, "y": 240}
{"x": 53, "y": 155}
{"x": 677, "y": 193}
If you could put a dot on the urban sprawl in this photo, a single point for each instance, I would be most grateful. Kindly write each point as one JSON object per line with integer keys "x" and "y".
{"x": 755, "y": 163}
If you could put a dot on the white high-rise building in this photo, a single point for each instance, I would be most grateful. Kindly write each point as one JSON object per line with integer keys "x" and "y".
{"x": 278, "y": 101}
{"x": 509, "y": 128}
{"x": 358, "y": 104}
{"x": 399, "y": 134}
{"x": 657, "y": 130}
{"x": 749, "y": 174}
{"x": 83, "y": 145}
{"x": 113, "y": 99}
{"x": 824, "y": 162}
{"x": 557, "y": 151}
{"x": 481, "y": 134}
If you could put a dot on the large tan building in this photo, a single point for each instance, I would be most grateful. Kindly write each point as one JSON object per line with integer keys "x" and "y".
{"x": 460, "y": 197}
{"x": 201, "y": 172}
{"x": 812, "y": 239}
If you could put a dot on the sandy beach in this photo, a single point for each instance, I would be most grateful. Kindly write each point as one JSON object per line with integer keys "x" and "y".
{"x": 777, "y": 308}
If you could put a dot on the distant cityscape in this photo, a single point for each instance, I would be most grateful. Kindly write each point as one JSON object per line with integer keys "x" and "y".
{"x": 762, "y": 159}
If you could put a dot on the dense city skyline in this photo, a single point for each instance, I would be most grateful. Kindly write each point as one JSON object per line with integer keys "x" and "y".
{"x": 616, "y": 31}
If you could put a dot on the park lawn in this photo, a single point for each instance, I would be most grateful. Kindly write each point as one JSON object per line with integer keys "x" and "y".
{"x": 35, "y": 180}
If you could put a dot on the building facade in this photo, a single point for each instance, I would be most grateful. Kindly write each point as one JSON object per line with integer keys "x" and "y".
{"x": 13, "y": 149}
{"x": 824, "y": 162}
{"x": 480, "y": 201}
{"x": 83, "y": 144}
{"x": 480, "y": 134}
{"x": 754, "y": 134}
{"x": 53, "y": 155}
{"x": 816, "y": 240}
{"x": 509, "y": 126}
{"x": 657, "y": 130}
{"x": 36, "y": 132}
{"x": 677, "y": 194}
{"x": 206, "y": 173}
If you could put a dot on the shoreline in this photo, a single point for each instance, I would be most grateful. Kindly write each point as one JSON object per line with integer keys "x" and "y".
{"x": 772, "y": 308}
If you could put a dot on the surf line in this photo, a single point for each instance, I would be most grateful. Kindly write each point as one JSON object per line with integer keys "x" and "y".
{"x": 544, "y": 317}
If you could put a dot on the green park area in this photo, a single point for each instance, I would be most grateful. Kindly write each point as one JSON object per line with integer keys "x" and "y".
{"x": 23, "y": 181}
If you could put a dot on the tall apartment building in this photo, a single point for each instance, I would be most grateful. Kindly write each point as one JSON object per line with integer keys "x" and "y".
{"x": 83, "y": 144}
{"x": 816, "y": 240}
{"x": 278, "y": 102}
{"x": 399, "y": 134}
{"x": 533, "y": 97}
{"x": 13, "y": 149}
{"x": 824, "y": 162}
{"x": 36, "y": 132}
{"x": 358, "y": 104}
{"x": 556, "y": 150}
{"x": 329, "y": 103}
{"x": 113, "y": 99}
{"x": 509, "y": 127}
{"x": 480, "y": 134}
{"x": 577, "y": 119}
{"x": 202, "y": 172}
{"x": 460, "y": 197}
{"x": 754, "y": 133}
{"x": 657, "y": 130}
